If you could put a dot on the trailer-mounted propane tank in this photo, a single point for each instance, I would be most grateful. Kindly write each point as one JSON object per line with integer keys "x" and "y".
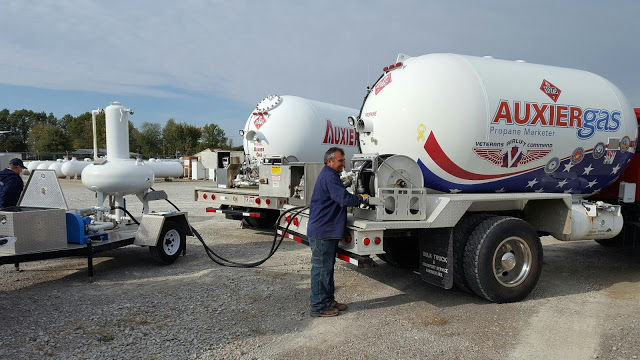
{"x": 477, "y": 124}
{"x": 117, "y": 175}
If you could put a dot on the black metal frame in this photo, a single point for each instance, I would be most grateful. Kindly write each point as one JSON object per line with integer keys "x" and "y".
{"x": 89, "y": 250}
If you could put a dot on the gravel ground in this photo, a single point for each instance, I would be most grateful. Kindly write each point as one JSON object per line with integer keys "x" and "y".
{"x": 584, "y": 307}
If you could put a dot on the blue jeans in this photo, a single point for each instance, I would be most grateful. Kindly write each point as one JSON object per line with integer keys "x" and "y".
{"x": 323, "y": 259}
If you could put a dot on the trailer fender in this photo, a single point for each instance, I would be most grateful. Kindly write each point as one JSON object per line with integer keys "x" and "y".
{"x": 152, "y": 224}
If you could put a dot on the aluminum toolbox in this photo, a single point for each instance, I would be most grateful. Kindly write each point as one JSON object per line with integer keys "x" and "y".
{"x": 35, "y": 229}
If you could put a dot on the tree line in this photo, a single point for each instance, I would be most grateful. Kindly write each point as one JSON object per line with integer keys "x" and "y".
{"x": 38, "y": 132}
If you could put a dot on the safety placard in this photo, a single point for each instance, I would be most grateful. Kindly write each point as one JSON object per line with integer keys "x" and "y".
{"x": 276, "y": 170}
{"x": 249, "y": 200}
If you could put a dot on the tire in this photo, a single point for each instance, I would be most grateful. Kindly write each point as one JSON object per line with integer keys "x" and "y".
{"x": 461, "y": 233}
{"x": 170, "y": 243}
{"x": 503, "y": 259}
{"x": 401, "y": 252}
{"x": 266, "y": 220}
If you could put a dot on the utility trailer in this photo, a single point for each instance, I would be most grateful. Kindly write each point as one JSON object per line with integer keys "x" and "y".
{"x": 43, "y": 227}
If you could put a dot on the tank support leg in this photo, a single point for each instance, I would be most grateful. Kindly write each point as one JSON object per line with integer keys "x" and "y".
{"x": 17, "y": 265}
{"x": 90, "y": 261}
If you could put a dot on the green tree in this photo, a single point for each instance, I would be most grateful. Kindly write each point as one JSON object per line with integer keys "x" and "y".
{"x": 213, "y": 137}
{"x": 151, "y": 138}
{"x": 45, "y": 137}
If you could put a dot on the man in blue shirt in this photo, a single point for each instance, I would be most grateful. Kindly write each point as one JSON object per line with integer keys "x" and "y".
{"x": 11, "y": 183}
{"x": 327, "y": 221}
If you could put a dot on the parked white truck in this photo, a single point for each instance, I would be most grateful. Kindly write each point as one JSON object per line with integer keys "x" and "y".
{"x": 281, "y": 130}
{"x": 468, "y": 160}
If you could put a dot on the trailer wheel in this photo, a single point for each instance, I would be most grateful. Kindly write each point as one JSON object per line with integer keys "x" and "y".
{"x": 266, "y": 220}
{"x": 503, "y": 259}
{"x": 401, "y": 252}
{"x": 170, "y": 243}
{"x": 461, "y": 233}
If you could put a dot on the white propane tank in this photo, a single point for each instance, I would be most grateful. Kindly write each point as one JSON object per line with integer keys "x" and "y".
{"x": 165, "y": 169}
{"x": 25, "y": 171}
{"x": 57, "y": 167}
{"x": 118, "y": 178}
{"x": 73, "y": 168}
{"x": 33, "y": 165}
{"x": 118, "y": 175}
{"x": 485, "y": 125}
{"x": 299, "y": 128}
{"x": 44, "y": 165}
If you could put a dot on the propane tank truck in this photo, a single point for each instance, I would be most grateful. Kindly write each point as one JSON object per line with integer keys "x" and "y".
{"x": 469, "y": 160}
{"x": 288, "y": 133}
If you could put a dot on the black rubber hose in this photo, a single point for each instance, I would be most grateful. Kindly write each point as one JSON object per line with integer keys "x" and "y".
{"x": 126, "y": 211}
{"x": 220, "y": 260}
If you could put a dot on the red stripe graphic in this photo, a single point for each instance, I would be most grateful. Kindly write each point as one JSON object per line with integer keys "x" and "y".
{"x": 436, "y": 153}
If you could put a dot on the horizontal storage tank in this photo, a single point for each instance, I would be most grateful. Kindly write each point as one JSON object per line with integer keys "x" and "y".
{"x": 298, "y": 128}
{"x": 44, "y": 165}
{"x": 33, "y": 165}
{"x": 57, "y": 167}
{"x": 165, "y": 169}
{"x": 478, "y": 124}
{"x": 73, "y": 168}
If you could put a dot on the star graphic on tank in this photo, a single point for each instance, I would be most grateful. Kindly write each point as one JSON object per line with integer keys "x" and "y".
{"x": 541, "y": 190}
{"x": 501, "y": 190}
{"x": 615, "y": 169}
{"x": 454, "y": 191}
{"x": 567, "y": 167}
{"x": 591, "y": 183}
{"x": 532, "y": 182}
{"x": 568, "y": 191}
{"x": 562, "y": 183}
{"x": 587, "y": 170}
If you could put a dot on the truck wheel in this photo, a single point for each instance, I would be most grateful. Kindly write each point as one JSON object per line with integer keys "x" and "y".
{"x": 503, "y": 259}
{"x": 401, "y": 252}
{"x": 170, "y": 243}
{"x": 461, "y": 233}
{"x": 266, "y": 220}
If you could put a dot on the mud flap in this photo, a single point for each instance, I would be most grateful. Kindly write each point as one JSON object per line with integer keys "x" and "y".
{"x": 436, "y": 257}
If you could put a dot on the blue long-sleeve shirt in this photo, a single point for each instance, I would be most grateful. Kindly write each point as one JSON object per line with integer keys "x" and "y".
{"x": 10, "y": 188}
{"x": 328, "y": 207}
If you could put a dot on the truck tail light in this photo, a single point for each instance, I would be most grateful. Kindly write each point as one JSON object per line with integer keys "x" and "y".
{"x": 258, "y": 201}
{"x": 366, "y": 241}
{"x": 348, "y": 239}
{"x": 377, "y": 240}
{"x": 296, "y": 222}
{"x": 213, "y": 196}
{"x": 197, "y": 195}
{"x": 268, "y": 201}
{"x": 288, "y": 219}
{"x": 204, "y": 196}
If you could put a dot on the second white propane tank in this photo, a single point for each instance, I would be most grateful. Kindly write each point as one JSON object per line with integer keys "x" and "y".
{"x": 478, "y": 124}
{"x": 165, "y": 169}
{"x": 299, "y": 128}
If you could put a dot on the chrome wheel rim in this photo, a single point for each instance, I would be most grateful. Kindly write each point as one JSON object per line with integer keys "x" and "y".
{"x": 512, "y": 261}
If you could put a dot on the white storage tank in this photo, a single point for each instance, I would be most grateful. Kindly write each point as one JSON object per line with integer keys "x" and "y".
{"x": 478, "y": 124}
{"x": 165, "y": 169}
{"x": 44, "y": 165}
{"x": 298, "y": 128}
{"x": 117, "y": 175}
{"x": 33, "y": 165}
{"x": 57, "y": 167}
{"x": 73, "y": 168}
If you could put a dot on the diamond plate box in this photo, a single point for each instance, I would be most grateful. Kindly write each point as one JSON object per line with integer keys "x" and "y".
{"x": 35, "y": 229}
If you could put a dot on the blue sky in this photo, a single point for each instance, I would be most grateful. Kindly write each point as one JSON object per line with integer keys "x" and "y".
{"x": 211, "y": 61}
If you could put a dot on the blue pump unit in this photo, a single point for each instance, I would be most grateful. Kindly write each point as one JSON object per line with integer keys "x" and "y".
{"x": 76, "y": 230}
